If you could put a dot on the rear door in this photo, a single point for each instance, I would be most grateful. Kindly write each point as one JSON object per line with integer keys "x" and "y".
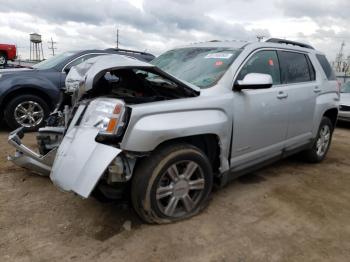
{"x": 299, "y": 82}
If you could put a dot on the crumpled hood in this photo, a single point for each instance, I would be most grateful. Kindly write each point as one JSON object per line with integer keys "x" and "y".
{"x": 81, "y": 78}
{"x": 345, "y": 99}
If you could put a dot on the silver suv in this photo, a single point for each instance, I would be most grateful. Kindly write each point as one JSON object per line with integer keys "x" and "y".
{"x": 164, "y": 132}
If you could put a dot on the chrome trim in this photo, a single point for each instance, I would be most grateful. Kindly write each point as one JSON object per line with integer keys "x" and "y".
{"x": 81, "y": 57}
{"x": 27, "y": 158}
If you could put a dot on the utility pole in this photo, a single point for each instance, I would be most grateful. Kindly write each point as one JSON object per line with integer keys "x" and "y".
{"x": 52, "y": 46}
{"x": 339, "y": 58}
{"x": 117, "y": 38}
{"x": 260, "y": 37}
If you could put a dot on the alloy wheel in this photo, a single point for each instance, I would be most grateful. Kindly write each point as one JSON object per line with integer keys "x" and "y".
{"x": 29, "y": 114}
{"x": 180, "y": 189}
{"x": 323, "y": 140}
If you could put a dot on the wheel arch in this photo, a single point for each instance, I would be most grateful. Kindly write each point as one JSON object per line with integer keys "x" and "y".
{"x": 26, "y": 90}
{"x": 332, "y": 114}
{"x": 4, "y": 53}
{"x": 209, "y": 144}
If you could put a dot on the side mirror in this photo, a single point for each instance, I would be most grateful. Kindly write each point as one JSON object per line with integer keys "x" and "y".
{"x": 67, "y": 69}
{"x": 254, "y": 81}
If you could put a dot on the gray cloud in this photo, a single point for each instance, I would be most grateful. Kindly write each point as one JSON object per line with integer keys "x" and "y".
{"x": 158, "y": 16}
{"x": 335, "y": 9}
{"x": 161, "y": 24}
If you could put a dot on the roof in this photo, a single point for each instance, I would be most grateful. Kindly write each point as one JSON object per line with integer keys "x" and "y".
{"x": 230, "y": 44}
{"x": 273, "y": 42}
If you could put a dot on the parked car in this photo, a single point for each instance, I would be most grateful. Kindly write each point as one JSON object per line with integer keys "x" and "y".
{"x": 7, "y": 52}
{"x": 165, "y": 132}
{"x": 28, "y": 95}
{"x": 344, "y": 109}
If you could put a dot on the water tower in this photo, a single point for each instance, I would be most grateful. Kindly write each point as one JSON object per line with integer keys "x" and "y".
{"x": 36, "y": 47}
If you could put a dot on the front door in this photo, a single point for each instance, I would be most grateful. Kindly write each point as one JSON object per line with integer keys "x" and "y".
{"x": 260, "y": 116}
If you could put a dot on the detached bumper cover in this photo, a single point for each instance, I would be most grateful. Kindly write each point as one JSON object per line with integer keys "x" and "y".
{"x": 80, "y": 161}
{"x": 27, "y": 158}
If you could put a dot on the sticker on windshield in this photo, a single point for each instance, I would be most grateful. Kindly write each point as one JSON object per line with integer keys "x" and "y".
{"x": 219, "y": 55}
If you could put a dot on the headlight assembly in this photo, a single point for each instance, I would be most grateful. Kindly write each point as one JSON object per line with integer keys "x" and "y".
{"x": 106, "y": 114}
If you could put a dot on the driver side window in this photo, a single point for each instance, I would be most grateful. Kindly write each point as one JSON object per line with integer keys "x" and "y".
{"x": 80, "y": 60}
{"x": 263, "y": 62}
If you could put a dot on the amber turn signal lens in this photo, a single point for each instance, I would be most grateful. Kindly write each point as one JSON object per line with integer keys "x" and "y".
{"x": 112, "y": 125}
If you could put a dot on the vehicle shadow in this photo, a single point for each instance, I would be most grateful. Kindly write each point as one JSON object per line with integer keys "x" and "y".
{"x": 4, "y": 128}
{"x": 343, "y": 124}
{"x": 118, "y": 217}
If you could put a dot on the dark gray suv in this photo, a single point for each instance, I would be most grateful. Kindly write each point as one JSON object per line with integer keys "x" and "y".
{"x": 27, "y": 95}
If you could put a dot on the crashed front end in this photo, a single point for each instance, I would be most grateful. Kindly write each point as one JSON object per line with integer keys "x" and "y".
{"x": 77, "y": 161}
{"x": 82, "y": 148}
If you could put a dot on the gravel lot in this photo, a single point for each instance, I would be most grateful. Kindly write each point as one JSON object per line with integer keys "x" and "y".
{"x": 290, "y": 211}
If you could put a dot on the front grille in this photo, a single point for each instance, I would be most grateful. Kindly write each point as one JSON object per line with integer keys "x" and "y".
{"x": 344, "y": 108}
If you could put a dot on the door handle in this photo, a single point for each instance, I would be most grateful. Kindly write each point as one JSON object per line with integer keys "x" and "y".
{"x": 317, "y": 89}
{"x": 282, "y": 95}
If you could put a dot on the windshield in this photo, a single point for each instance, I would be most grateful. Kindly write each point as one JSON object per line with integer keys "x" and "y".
{"x": 346, "y": 88}
{"x": 202, "y": 67}
{"x": 53, "y": 61}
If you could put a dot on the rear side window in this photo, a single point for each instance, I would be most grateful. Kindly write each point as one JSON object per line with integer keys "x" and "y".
{"x": 295, "y": 68}
{"x": 326, "y": 67}
{"x": 263, "y": 62}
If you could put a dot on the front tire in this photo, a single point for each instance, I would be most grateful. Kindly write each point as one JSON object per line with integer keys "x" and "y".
{"x": 322, "y": 142}
{"x": 28, "y": 111}
{"x": 3, "y": 59}
{"x": 172, "y": 184}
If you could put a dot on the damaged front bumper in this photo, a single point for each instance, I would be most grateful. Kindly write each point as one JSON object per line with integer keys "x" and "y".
{"x": 75, "y": 161}
{"x": 80, "y": 161}
{"x": 27, "y": 158}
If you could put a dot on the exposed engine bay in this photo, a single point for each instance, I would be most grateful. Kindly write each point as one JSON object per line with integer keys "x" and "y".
{"x": 135, "y": 86}
{"x": 132, "y": 85}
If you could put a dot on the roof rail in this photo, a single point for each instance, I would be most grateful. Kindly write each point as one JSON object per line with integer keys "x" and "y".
{"x": 128, "y": 51}
{"x": 288, "y": 42}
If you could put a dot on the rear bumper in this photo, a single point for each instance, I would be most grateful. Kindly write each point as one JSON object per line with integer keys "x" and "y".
{"x": 27, "y": 158}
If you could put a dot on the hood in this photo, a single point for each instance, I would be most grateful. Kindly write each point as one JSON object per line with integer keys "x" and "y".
{"x": 81, "y": 78}
{"x": 14, "y": 70}
{"x": 345, "y": 99}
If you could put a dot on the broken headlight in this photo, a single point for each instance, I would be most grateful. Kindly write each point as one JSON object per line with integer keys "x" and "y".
{"x": 106, "y": 114}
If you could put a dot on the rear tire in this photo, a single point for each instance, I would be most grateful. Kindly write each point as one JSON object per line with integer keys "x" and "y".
{"x": 28, "y": 111}
{"x": 172, "y": 184}
{"x": 322, "y": 142}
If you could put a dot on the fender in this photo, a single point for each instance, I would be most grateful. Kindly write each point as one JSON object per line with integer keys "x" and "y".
{"x": 324, "y": 102}
{"x": 151, "y": 130}
{"x": 151, "y": 125}
{"x": 29, "y": 80}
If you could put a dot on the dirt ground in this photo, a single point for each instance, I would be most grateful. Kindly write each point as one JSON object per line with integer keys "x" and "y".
{"x": 290, "y": 211}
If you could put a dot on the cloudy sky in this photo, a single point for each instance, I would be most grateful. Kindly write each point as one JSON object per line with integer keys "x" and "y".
{"x": 158, "y": 25}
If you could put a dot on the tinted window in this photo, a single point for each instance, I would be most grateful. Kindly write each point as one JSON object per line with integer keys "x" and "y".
{"x": 80, "y": 60}
{"x": 294, "y": 68}
{"x": 263, "y": 62}
{"x": 53, "y": 61}
{"x": 326, "y": 67}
